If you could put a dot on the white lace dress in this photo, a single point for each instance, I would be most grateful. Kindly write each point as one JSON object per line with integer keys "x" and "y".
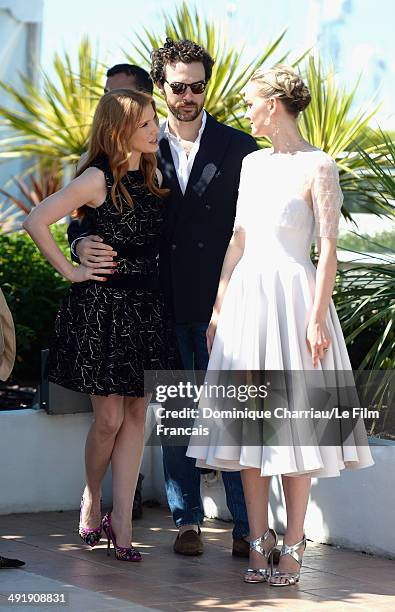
{"x": 284, "y": 200}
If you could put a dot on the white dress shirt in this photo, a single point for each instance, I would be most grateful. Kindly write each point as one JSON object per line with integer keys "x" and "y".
{"x": 182, "y": 162}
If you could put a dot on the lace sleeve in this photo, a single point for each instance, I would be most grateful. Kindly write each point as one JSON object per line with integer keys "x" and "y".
{"x": 327, "y": 199}
{"x": 240, "y": 223}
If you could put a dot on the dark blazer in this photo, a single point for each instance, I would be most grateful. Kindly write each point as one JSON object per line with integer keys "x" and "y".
{"x": 199, "y": 224}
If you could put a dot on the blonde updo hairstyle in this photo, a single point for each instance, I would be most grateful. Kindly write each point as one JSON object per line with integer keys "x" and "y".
{"x": 284, "y": 83}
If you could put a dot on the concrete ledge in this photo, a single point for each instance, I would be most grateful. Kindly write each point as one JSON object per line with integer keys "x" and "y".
{"x": 42, "y": 465}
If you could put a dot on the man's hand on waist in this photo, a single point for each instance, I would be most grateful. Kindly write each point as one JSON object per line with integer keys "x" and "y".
{"x": 94, "y": 253}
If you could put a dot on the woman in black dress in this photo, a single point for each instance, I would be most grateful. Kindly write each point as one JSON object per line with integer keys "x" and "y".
{"x": 112, "y": 324}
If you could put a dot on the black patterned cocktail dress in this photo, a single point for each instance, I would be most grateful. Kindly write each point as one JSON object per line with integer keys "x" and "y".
{"x": 107, "y": 333}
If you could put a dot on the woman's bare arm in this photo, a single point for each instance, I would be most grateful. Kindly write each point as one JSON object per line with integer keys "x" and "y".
{"x": 233, "y": 255}
{"x": 87, "y": 189}
{"x": 318, "y": 337}
{"x": 93, "y": 252}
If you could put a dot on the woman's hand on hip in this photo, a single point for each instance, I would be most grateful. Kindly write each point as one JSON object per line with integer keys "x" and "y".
{"x": 82, "y": 273}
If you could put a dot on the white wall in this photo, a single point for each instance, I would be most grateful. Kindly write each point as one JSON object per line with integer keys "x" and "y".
{"x": 42, "y": 461}
{"x": 20, "y": 44}
{"x": 357, "y": 509}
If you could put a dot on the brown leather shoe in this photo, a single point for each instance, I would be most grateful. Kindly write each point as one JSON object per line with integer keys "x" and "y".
{"x": 189, "y": 543}
{"x": 241, "y": 548}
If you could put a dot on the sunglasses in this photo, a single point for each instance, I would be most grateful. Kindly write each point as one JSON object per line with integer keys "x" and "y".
{"x": 179, "y": 88}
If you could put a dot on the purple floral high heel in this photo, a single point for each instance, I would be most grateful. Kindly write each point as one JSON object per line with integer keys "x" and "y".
{"x": 122, "y": 553}
{"x": 91, "y": 537}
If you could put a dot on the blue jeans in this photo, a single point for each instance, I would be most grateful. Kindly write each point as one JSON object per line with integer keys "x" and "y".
{"x": 181, "y": 474}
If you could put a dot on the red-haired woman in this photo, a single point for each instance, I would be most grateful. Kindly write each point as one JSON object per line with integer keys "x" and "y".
{"x": 112, "y": 324}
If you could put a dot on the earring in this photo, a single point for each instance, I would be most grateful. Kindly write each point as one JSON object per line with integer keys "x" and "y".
{"x": 267, "y": 121}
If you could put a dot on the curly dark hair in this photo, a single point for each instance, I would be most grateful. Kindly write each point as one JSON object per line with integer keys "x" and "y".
{"x": 185, "y": 51}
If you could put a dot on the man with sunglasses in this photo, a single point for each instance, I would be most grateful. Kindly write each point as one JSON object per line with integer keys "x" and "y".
{"x": 200, "y": 160}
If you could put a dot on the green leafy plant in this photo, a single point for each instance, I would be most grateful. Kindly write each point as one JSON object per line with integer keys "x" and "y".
{"x": 365, "y": 301}
{"x": 53, "y": 122}
{"x": 332, "y": 124}
{"x": 379, "y": 162}
{"x": 33, "y": 291}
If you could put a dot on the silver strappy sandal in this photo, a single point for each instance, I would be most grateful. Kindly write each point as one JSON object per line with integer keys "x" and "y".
{"x": 262, "y": 575}
{"x": 290, "y": 577}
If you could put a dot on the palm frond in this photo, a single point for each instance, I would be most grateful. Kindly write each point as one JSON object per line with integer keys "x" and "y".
{"x": 230, "y": 72}
{"x": 33, "y": 189}
{"x": 365, "y": 301}
{"x": 54, "y": 122}
{"x": 331, "y": 123}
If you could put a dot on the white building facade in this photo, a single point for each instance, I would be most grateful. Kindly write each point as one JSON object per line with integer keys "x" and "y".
{"x": 20, "y": 46}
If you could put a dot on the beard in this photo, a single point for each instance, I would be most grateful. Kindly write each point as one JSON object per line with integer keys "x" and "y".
{"x": 177, "y": 110}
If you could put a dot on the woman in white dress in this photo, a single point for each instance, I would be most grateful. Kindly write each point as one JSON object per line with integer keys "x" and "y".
{"x": 274, "y": 311}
